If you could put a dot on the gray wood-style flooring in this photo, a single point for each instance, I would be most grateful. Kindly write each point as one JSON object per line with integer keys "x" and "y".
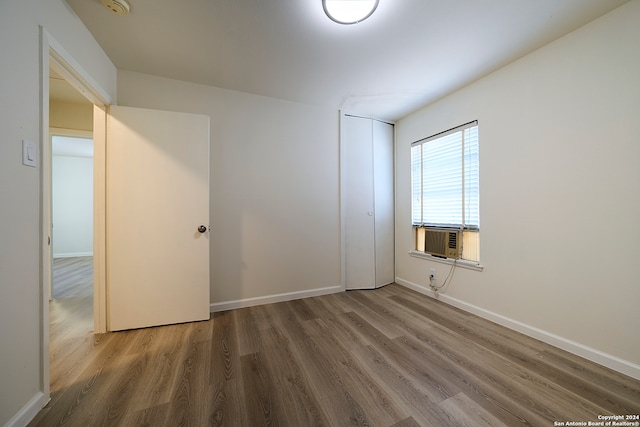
{"x": 387, "y": 357}
{"x": 71, "y": 307}
{"x": 72, "y": 277}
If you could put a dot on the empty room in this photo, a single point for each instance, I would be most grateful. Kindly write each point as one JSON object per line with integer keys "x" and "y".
{"x": 329, "y": 212}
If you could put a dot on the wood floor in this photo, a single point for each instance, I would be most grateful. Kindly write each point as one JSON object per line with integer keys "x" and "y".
{"x": 72, "y": 277}
{"x": 71, "y": 309}
{"x": 388, "y": 357}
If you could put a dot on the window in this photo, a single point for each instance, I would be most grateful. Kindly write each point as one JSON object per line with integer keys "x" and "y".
{"x": 444, "y": 186}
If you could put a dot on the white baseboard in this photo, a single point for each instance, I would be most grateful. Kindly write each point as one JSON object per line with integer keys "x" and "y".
{"x": 73, "y": 254}
{"x": 597, "y": 356}
{"x": 29, "y": 411}
{"x": 269, "y": 299}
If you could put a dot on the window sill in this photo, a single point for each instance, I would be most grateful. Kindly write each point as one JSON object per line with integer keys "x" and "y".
{"x": 470, "y": 265}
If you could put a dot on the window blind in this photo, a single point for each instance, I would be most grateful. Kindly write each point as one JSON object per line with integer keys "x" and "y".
{"x": 444, "y": 179}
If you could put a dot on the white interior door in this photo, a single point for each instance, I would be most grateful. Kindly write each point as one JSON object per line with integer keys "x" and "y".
{"x": 367, "y": 166}
{"x": 384, "y": 202}
{"x": 357, "y": 151}
{"x": 157, "y": 179}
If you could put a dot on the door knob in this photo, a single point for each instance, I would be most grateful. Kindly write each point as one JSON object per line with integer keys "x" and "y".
{"x": 202, "y": 229}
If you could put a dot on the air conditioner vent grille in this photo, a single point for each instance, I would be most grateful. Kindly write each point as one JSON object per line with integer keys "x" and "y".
{"x": 453, "y": 240}
{"x": 442, "y": 243}
{"x": 435, "y": 242}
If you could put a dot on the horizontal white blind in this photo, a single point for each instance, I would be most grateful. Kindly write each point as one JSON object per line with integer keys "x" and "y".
{"x": 444, "y": 179}
{"x": 471, "y": 198}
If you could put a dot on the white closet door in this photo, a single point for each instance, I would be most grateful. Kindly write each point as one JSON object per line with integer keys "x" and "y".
{"x": 383, "y": 184}
{"x": 357, "y": 152}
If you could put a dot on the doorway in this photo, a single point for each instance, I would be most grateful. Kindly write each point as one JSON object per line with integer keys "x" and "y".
{"x": 188, "y": 166}
{"x": 71, "y": 304}
{"x": 71, "y": 217}
{"x": 59, "y": 69}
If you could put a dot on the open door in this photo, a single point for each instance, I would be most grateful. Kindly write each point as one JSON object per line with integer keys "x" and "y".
{"x": 157, "y": 215}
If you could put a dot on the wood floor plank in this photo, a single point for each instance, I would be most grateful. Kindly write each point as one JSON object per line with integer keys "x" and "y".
{"x": 345, "y": 410}
{"x": 500, "y": 405}
{"x": 326, "y": 376}
{"x": 228, "y": 404}
{"x": 337, "y": 303}
{"x": 81, "y": 402}
{"x": 500, "y": 339}
{"x": 526, "y": 391}
{"x": 301, "y": 310}
{"x": 300, "y": 404}
{"x": 386, "y": 357}
{"x": 468, "y": 413}
{"x": 389, "y": 329}
{"x": 394, "y": 313}
{"x": 323, "y": 377}
{"x": 225, "y": 355}
{"x": 72, "y": 277}
{"x": 424, "y": 370}
{"x": 545, "y": 376}
{"x": 162, "y": 355}
{"x": 349, "y": 373}
{"x": 72, "y": 318}
{"x": 616, "y": 393}
{"x": 150, "y": 417}
{"x": 249, "y": 340}
{"x": 319, "y": 309}
{"x": 263, "y": 316}
{"x": 187, "y": 405}
{"x": 71, "y": 357}
{"x": 403, "y": 389}
{"x": 129, "y": 372}
{"x": 407, "y": 422}
{"x": 261, "y": 404}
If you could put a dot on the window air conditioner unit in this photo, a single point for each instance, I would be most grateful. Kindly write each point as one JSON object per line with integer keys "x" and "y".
{"x": 442, "y": 243}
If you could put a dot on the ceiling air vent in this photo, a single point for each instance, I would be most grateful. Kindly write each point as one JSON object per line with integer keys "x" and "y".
{"x": 121, "y": 7}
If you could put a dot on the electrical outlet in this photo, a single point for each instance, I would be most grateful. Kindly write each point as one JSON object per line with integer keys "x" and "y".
{"x": 432, "y": 273}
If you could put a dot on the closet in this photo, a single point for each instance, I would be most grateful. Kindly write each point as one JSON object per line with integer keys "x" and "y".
{"x": 368, "y": 202}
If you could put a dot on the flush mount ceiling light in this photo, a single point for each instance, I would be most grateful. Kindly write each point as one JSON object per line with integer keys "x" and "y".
{"x": 349, "y": 11}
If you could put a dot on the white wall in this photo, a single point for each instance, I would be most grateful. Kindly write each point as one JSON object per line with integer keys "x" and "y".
{"x": 274, "y": 187}
{"x": 21, "y": 382}
{"x": 72, "y": 194}
{"x": 70, "y": 115}
{"x": 560, "y": 187}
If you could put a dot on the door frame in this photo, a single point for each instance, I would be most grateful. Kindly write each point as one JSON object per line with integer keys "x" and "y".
{"x": 53, "y": 54}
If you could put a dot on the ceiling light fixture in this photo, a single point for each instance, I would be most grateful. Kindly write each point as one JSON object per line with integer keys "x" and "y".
{"x": 349, "y": 11}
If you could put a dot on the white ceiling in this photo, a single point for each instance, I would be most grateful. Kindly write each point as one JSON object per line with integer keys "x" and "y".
{"x": 408, "y": 54}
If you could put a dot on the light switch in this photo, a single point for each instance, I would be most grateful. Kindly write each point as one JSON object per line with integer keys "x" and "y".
{"x": 29, "y": 153}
